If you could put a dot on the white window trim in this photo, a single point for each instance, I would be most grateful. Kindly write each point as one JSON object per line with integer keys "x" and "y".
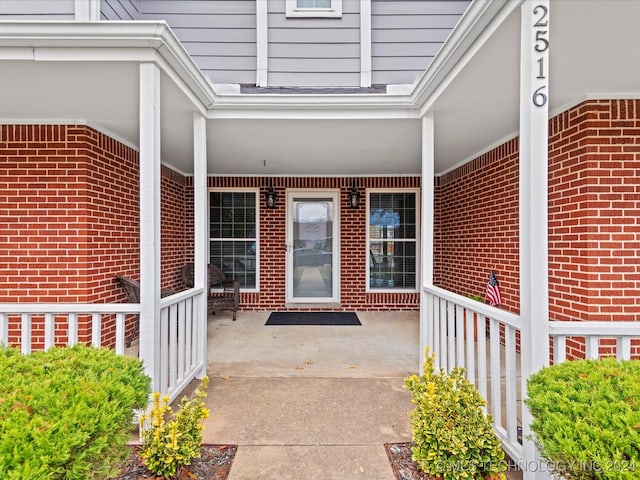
{"x": 294, "y": 12}
{"x": 256, "y": 289}
{"x": 368, "y": 288}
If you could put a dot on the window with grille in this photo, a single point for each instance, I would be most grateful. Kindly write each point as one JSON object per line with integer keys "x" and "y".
{"x": 233, "y": 237}
{"x": 393, "y": 240}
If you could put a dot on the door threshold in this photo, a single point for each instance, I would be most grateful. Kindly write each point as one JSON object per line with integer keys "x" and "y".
{"x": 318, "y": 306}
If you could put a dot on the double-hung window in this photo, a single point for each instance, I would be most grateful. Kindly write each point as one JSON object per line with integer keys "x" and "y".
{"x": 314, "y": 8}
{"x": 233, "y": 237}
{"x": 392, "y": 239}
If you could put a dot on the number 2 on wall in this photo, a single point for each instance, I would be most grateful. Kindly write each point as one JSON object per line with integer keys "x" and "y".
{"x": 541, "y": 45}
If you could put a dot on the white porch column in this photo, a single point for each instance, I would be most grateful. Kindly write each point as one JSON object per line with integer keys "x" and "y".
{"x": 427, "y": 222}
{"x": 534, "y": 238}
{"x": 150, "y": 221}
{"x": 200, "y": 231}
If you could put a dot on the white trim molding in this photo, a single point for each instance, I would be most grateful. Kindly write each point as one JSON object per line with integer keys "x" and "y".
{"x": 365, "y": 43}
{"x": 262, "y": 44}
{"x": 87, "y": 10}
{"x": 294, "y": 11}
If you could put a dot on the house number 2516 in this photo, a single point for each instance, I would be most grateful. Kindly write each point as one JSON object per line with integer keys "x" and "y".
{"x": 540, "y": 46}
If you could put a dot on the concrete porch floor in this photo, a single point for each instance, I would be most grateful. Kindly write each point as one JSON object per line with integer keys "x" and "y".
{"x": 310, "y": 402}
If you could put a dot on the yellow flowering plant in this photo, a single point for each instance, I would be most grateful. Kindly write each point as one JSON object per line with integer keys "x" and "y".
{"x": 453, "y": 438}
{"x": 171, "y": 440}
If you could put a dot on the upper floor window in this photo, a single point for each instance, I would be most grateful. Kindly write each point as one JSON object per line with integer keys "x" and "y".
{"x": 314, "y": 8}
{"x": 392, "y": 237}
{"x": 233, "y": 235}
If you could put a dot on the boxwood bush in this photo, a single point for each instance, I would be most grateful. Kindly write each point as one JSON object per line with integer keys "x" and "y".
{"x": 586, "y": 417}
{"x": 66, "y": 413}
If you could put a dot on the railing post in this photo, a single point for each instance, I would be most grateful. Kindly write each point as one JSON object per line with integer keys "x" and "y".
{"x": 426, "y": 300}
{"x": 534, "y": 239}
{"x": 200, "y": 236}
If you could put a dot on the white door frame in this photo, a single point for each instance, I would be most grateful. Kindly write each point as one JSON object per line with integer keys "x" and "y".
{"x": 334, "y": 196}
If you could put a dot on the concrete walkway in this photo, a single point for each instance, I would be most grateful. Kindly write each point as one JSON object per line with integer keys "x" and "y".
{"x": 310, "y": 402}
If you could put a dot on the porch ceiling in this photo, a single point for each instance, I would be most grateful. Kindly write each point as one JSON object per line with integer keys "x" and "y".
{"x": 105, "y": 95}
{"x": 591, "y": 51}
{"x": 475, "y": 104}
{"x": 314, "y": 147}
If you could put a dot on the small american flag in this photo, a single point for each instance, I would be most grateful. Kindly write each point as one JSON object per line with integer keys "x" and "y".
{"x": 493, "y": 290}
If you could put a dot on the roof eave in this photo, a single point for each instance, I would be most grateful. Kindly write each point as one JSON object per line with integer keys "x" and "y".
{"x": 28, "y": 38}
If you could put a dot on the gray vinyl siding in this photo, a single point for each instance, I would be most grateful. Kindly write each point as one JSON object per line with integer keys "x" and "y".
{"x": 406, "y": 35}
{"x": 120, "y": 9}
{"x": 314, "y": 52}
{"x": 37, "y": 10}
{"x": 220, "y": 35}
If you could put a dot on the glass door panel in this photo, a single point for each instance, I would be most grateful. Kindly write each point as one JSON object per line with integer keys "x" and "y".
{"x": 312, "y": 257}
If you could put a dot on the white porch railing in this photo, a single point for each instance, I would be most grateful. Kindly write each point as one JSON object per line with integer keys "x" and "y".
{"x": 593, "y": 339}
{"x": 62, "y": 318}
{"x": 181, "y": 355}
{"x": 181, "y": 331}
{"x": 492, "y": 359}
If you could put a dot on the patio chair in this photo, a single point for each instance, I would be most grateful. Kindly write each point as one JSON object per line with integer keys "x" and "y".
{"x": 228, "y": 298}
{"x": 132, "y": 291}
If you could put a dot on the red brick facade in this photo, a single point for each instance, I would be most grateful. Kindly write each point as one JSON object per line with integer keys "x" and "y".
{"x": 594, "y": 207}
{"x": 69, "y": 209}
{"x": 476, "y": 225}
{"x": 353, "y": 247}
{"x": 70, "y": 220}
{"x": 594, "y": 210}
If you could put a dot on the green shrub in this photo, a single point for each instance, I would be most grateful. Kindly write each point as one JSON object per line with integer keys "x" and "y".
{"x": 66, "y": 413}
{"x": 453, "y": 438}
{"x": 171, "y": 441}
{"x": 586, "y": 417}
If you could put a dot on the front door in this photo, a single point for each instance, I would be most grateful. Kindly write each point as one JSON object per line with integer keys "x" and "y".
{"x": 313, "y": 246}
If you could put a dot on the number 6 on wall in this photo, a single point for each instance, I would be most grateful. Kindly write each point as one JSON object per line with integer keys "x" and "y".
{"x": 539, "y": 97}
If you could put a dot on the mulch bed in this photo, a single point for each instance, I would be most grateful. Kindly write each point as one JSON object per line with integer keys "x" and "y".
{"x": 403, "y": 466}
{"x": 214, "y": 464}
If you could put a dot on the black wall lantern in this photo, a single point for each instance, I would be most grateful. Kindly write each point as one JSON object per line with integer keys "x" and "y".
{"x": 354, "y": 196}
{"x": 270, "y": 197}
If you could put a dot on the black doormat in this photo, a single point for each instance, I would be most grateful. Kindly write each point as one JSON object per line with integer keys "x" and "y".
{"x": 313, "y": 318}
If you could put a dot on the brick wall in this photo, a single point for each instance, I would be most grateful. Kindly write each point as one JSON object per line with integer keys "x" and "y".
{"x": 173, "y": 231}
{"x": 354, "y": 252}
{"x": 476, "y": 226}
{"x": 594, "y": 211}
{"x": 57, "y": 207}
{"x": 594, "y": 207}
{"x": 69, "y": 221}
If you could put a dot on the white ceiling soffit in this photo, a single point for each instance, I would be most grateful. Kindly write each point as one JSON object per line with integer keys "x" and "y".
{"x": 314, "y": 147}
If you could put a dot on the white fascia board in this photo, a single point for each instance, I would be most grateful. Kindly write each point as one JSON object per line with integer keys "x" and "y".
{"x": 108, "y": 41}
{"x": 93, "y": 54}
{"x": 47, "y": 33}
{"x": 478, "y": 23}
{"x": 304, "y": 113}
{"x": 348, "y": 106}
